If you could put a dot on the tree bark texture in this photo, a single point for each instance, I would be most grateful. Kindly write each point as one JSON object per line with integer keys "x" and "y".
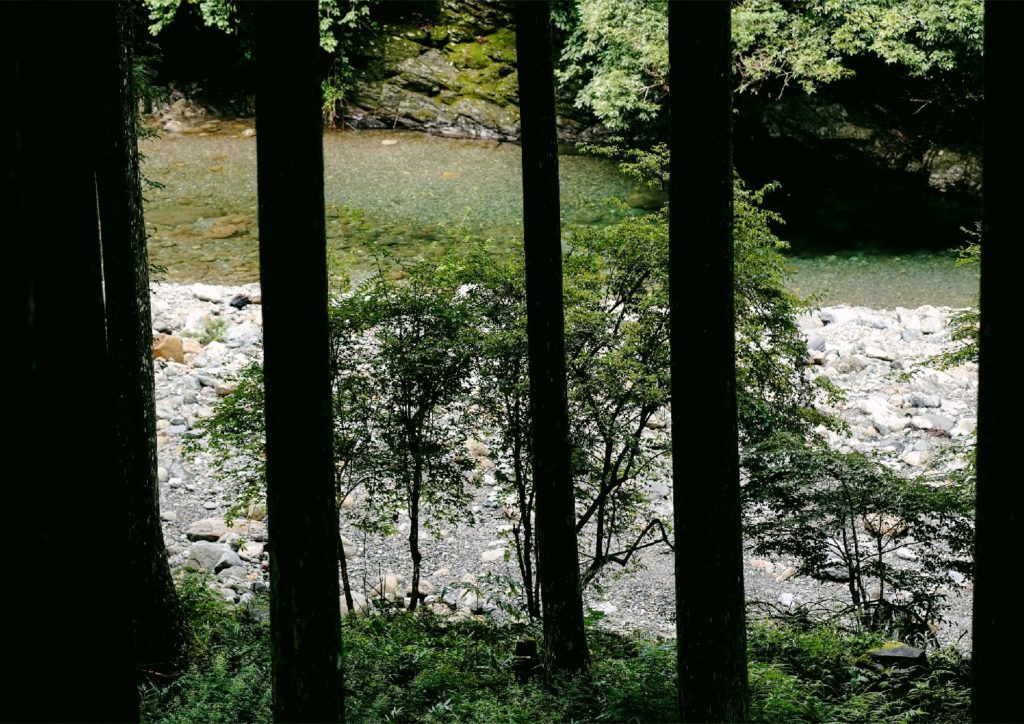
{"x": 557, "y": 552}
{"x": 998, "y": 635}
{"x": 705, "y": 466}
{"x": 302, "y": 509}
{"x": 67, "y": 650}
{"x": 156, "y": 612}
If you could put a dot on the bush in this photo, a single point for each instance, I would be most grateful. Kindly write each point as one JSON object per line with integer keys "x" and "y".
{"x": 228, "y": 678}
{"x": 842, "y": 516}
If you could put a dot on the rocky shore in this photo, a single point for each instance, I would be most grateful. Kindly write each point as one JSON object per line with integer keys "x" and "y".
{"x": 206, "y": 335}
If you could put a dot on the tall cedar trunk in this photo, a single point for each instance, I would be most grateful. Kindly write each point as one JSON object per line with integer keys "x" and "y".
{"x": 302, "y": 508}
{"x": 156, "y": 613}
{"x": 67, "y": 650}
{"x": 998, "y": 635}
{"x": 709, "y": 545}
{"x": 557, "y": 554}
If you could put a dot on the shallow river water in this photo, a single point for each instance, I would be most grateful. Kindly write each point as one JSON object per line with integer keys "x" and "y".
{"x": 407, "y": 192}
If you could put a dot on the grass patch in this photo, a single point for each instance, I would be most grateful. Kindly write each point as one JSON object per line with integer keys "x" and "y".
{"x": 401, "y": 667}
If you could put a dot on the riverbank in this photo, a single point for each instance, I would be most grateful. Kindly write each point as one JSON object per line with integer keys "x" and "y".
{"x": 908, "y": 422}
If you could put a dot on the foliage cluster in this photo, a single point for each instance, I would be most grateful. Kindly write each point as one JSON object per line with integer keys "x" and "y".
{"x": 417, "y": 667}
{"x": 616, "y": 57}
{"x": 614, "y": 54}
{"x": 419, "y": 363}
{"x": 843, "y": 516}
{"x": 964, "y": 325}
{"x": 342, "y": 24}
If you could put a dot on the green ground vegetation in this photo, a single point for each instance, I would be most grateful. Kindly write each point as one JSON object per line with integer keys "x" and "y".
{"x": 403, "y": 666}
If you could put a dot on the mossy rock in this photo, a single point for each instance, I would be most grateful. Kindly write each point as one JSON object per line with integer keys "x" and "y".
{"x": 648, "y": 199}
{"x": 468, "y": 19}
{"x": 485, "y": 51}
{"x": 428, "y": 72}
{"x": 501, "y": 90}
{"x": 435, "y": 35}
{"x": 396, "y": 49}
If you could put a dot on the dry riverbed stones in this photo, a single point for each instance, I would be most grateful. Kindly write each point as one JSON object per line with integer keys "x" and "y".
{"x": 205, "y": 335}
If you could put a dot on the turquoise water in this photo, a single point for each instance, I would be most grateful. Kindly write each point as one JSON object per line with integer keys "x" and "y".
{"x": 407, "y": 191}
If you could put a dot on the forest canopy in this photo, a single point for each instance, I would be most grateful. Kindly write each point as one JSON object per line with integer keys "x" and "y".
{"x": 614, "y": 56}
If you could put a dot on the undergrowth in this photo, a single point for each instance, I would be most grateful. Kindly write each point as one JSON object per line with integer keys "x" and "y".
{"x": 424, "y": 668}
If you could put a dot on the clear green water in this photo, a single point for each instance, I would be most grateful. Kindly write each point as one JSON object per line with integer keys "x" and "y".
{"x": 885, "y": 281}
{"x": 407, "y": 191}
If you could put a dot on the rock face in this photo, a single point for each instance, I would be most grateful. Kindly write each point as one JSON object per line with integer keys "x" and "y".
{"x": 894, "y": 173}
{"x": 871, "y": 135}
{"x": 440, "y": 78}
{"x": 451, "y": 71}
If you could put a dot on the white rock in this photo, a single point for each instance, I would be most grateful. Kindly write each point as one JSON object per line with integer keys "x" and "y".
{"x": 931, "y": 325}
{"x": 251, "y": 551}
{"x": 838, "y": 315}
{"x": 204, "y": 556}
{"x": 786, "y": 574}
{"x": 918, "y": 458}
{"x": 808, "y": 322}
{"x": 493, "y": 556}
{"x": 874, "y": 321}
{"x": 787, "y": 599}
{"x": 358, "y": 603}
{"x": 921, "y": 399}
{"x": 390, "y": 588}
{"x": 877, "y": 352}
{"x": 964, "y": 426}
{"x": 229, "y": 559}
{"x": 207, "y": 292}
{"x": 883, "y": 416}
{"x": 815, "y": 341}
{"x": 241, "y": 335}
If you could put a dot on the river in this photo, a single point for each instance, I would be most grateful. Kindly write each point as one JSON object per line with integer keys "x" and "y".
{"x": 409, "y": 192}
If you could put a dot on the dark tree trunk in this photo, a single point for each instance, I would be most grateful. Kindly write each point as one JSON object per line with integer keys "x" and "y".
{"x": 998, "y": 635}
{"x": 705, "y": 466}
{"x": 346, "y": 587}
{"x": 414, "y": 537}
{"x": 302, "y": 508}
{"x": 66, "y": 646}
{"x": 156, "y": 613}
{"x": 557, "y": 555}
